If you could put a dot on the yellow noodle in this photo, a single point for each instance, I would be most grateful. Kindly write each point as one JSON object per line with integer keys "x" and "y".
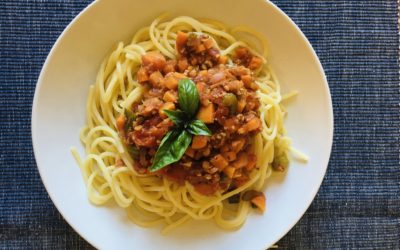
{"x": 151, "y": 200}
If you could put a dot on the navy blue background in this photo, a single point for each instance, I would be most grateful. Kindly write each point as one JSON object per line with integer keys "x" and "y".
{"x": 358, "y": 205}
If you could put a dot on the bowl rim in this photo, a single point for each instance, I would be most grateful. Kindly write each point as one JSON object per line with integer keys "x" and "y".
{"x": 92, "y": 5}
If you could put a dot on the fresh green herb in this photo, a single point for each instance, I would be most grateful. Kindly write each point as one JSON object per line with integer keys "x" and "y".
{"x": 188, "y": 97}
{"x": 197, "y": 127}
{"x": 175, "y": 142}
{"x": 130, "y": 118}
{"x": 177, "y": 116}
{"x": 171, "y": 149}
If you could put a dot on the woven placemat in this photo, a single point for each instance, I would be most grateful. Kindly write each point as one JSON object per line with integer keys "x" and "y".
{"x": 358, "y": 205}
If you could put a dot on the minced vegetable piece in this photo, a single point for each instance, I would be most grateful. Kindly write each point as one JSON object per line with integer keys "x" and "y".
{"x": 228, "y": 105}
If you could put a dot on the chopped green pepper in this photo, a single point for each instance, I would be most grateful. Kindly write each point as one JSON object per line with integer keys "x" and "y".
{"x": 230, "y": 100}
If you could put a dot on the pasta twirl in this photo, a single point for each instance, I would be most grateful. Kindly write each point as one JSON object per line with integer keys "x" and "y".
{"x": 108, "y": 168}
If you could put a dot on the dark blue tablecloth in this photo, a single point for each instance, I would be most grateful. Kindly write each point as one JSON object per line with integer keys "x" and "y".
{"x": 358, "y": 205}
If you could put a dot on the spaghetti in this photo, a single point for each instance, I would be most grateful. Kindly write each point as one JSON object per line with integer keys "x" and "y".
{"x": 109, "y": 169}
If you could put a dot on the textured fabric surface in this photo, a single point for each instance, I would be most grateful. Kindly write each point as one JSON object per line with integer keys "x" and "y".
{"x": 358, "y": 205}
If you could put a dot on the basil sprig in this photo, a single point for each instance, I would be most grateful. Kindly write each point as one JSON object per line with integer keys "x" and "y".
{"x": 176, "y": 116}
{"x": 188, "y": 97}
{"x": 197, "y": 127}
{"x": 174, "y": 144}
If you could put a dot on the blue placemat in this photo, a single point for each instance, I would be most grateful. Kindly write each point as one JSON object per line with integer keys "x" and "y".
{"x": 358, "y": 205}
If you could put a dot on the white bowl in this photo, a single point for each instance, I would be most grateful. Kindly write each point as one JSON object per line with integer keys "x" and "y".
{"x": 59, "y": 112}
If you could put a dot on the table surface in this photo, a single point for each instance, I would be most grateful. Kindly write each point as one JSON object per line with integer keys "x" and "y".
{"x": 358, "y": 204}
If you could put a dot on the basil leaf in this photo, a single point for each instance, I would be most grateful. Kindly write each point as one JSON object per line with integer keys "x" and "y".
{"x": 188, "y": 97}
{"x": 130, "y": 118}
{"x": 171, "y": 149}
{"x": 164, "y": 146}
{"x": 197, "y": 127}
{"x": 170, "y": 136}
{"x": 177, "y": 116}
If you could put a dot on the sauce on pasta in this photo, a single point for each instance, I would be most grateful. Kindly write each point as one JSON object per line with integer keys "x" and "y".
{"x": 231, "y": 141}
{"x": 229, "y": 107}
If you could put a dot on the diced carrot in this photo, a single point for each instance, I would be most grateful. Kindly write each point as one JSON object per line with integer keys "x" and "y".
{"x": 190, "y": 152}
{"x": 230, "y": 156}
{"x": 182, "y": 64}
{"x": 142, "y": 75}
{"x": 251, "y": 162}
{"x": 208, "y": 43}
{"x": 259, "y": 201}
{"x": 255, "y": 63}
{"x": 167, "y": 106}
{"x": 120, "y": 123}
{"x": 181, "y": 39}
{"x": 246, "y": 79}
{"x": 253, "y": 86}
{"x": 206, "y": 114}
{"x": 170, "y": 96}
{"x": 238, "y": 144}
{"x": 222, "y": 59}
{"x": 219, "y": 162}
{"x": 252, "y": 125}
{"x": 241, "y": 105}
{"x": 200, "y": 48}
{"x": 199, "y": 141}
{"x": 178, "y": 75}
{"x": 169, "y": 66}
{"x": 203, "y": 72}
{"x": 153, "y": 60}
{"x": 241, "y": 161}
{"x": 170, "y": 81}
{"x": 155, "y": 78}
{"x": 241, "y": 51}
{"x": 229, "y": 171}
